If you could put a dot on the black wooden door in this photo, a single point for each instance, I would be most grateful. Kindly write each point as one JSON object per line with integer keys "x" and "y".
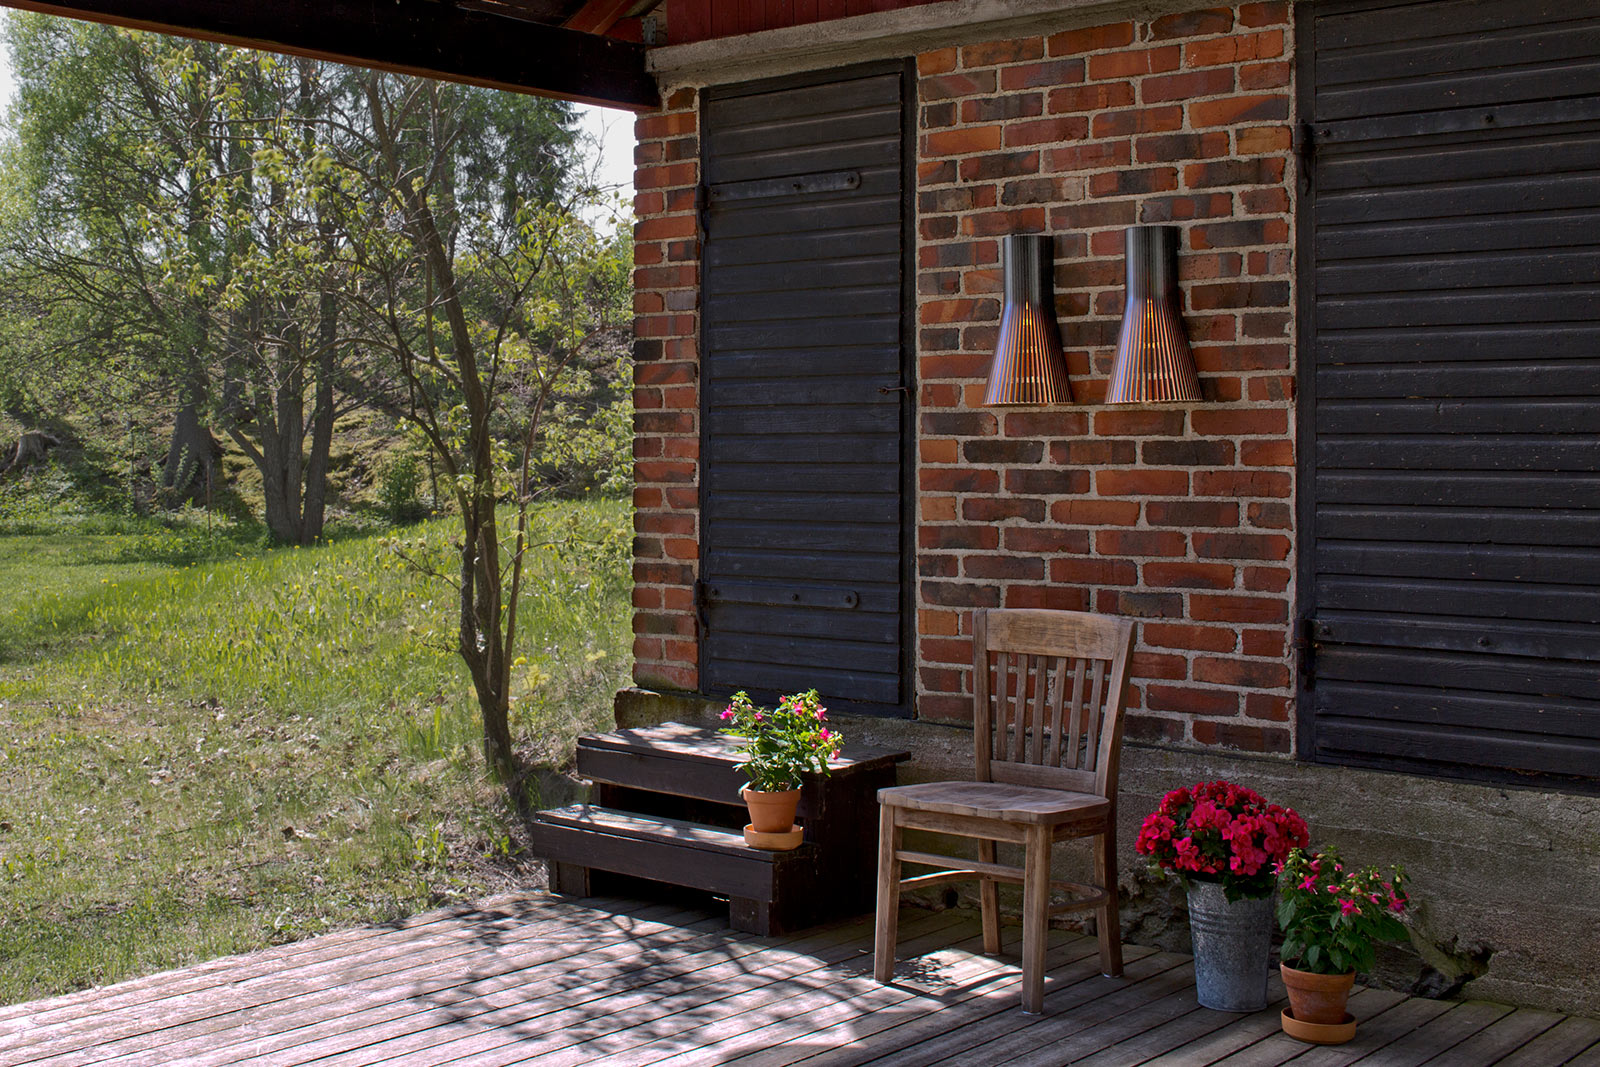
{"x": 805, "y": 388}
{"x": 1450, "y": 386}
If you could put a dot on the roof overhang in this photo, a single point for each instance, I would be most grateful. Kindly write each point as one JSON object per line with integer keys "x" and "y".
{"x": 431, "y": 38}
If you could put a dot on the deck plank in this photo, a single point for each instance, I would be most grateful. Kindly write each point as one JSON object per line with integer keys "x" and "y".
{"x": 533, "y": 979}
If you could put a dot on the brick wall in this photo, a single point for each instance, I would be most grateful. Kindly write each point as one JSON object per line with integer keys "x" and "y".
{"x": 666, "y": 395}
{"x": 1178, "y": 515}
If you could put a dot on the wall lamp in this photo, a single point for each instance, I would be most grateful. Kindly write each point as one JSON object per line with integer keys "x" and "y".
{"x": 1153, "y": 362}
{"x": 1028, "y": 366}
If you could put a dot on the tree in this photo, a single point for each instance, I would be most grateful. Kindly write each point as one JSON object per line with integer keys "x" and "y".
{"x": 488, "y": 296}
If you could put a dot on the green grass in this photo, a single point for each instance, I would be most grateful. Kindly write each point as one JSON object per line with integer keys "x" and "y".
{"x": 206, "y": 746}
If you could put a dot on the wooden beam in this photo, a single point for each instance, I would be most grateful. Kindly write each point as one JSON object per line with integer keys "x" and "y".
{"x": 598, "y": 16}
{"x": 422, "y": 37}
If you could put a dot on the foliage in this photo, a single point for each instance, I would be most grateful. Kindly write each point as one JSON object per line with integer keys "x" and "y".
{"x": 1221, "y": 832}
{"x": 1331, "y": 915}
{"x": 209, "y": 756}
{"x": 400, "y": 488}
{"x": 782, "y": 743}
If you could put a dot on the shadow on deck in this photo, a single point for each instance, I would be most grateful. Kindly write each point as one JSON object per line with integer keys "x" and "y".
{"x": 530, "y": 978}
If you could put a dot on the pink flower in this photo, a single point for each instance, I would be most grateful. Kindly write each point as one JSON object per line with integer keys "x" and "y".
{"x": 1310, "y": 882}
{"x": 824, "y": 735}
{"x": 1349, "y": 907}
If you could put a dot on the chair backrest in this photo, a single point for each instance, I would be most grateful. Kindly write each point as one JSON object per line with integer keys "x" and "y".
{"x": 1050, "y": 688}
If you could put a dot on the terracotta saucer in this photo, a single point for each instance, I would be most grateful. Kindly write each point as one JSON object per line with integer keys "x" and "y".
{"x": 781, "y": 841}
{"x": 1319, "y": 1033}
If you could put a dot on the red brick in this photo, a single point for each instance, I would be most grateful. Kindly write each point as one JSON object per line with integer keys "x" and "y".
{"x": 1048, "y": 539}
{"x": 1141, "y": 483}
{"x": 1271, "y": 516}
{"x": 941, "y": 680}
{"x": 1140, "y": 605}
{"x": 993, "y": 52}
{"x": 999, "y": 165}
{"x": 1093, "y": 453}
{"x": 657, "y": 126}
{"x": 1215, "y": 607}
{"x": 1047, "y": 131}
{"x": 1255, "y": 77}
{"x": 1174, "y": 147}
{"x": 1096, "y": 97}
{"x": 1095, "y": 512}
{"x": 1001, "y": 508}
{"x": 1053, "y": 597}
{"x": 944, "y": 87}
{"x": 1266, "y": 706}
{"x": 1186, "y": 86}
{"x": 1267, "y": 579}
{"x": 957, "y": 538}
{"x": 1245, "y": 738}
{"x": 1241, "y": 546}
{"x": 1047, "y": 481}
{"x": 1137, "y": 120}
{"x": 1158, "y": 665}
{"x": 665, "y": 176}
{"x": 1050, "y": 423}
{"x": 1138, "y": 422}
{"x": 1000, "y": 223}
{"x": 960, "y": 423}
{"x": 1267, "y": 453}
{"x": 1268, "y": 14}
{"x": 1152, "y": 729}
{"x": 1187, "y": 635}
{"x": 1134, "y": 182}
{"x": 962, "y": 142}
{"x": 1243, "y": 673}
{"x": 1192, "y": 24}
{"x": 1233, "y": 422}
{"x": 1191, "y": 700}
{"x": 937, "y": 508}
{"x": 937, "y": 566}
{"x": 933, "y": 707}
{"x": 942, "y": 61}
{"x": 1091, "y": 39}
{"x": 1001, "y": 108}
{"x": 940, "y": 623}
{"x": 1188, "y": 575}
{"x": 1190, "y": 513}
{"x": 1235, "y": 48}
{"x": 935, "y": 650}
{"x": 1140, "y": 543}
{"x": 1260, "y": 170}
{"x": 1134, "y": 62}
{"x": 1088, "y": 156}
{"x": 1005, "y": 568}
{"x": 1271, "y": 107}
{"x": 960, "y": 595}
{"x": 1090, "y": 571}
{"x": 1034, "y": 75}
{"x": 1266, "y": 643}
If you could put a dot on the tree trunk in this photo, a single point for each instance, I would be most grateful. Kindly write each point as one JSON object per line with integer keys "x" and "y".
{"x": 191, "y": 464}
{"x": 33, "y": 447}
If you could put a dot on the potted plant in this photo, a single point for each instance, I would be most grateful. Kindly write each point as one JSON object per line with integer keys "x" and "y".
{"x": 780, "y": 745}
{"x": 1332, "y": 916}
{"x": 1223, "y": 842}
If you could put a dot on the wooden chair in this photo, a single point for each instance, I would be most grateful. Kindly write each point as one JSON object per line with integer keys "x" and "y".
{"x": 1047, "y": 747}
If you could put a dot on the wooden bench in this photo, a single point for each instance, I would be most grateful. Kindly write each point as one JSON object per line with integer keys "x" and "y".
{"x": 666, "y": 809}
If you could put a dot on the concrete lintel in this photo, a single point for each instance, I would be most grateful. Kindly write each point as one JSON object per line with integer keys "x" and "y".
{"x": 883, "y": 34}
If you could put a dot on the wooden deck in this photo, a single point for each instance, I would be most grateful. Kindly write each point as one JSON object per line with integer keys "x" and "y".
{"x": 531, "y": 978}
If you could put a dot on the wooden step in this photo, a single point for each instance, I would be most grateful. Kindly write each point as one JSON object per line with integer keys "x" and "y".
{"x": 689, "y": 761}
{"x": 710, "y": 858}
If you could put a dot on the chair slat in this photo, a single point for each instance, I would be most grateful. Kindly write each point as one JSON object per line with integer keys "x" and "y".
{"x": 1019, "y": 710}
{"x": 1071, "y": 757}
{"x": 983, "y": 719}
{"x": 1091, "y": 741}
{"x": 1039, "y": 664}
{"x": 1002, "y": 707}
{"x": 1056, "y": 692}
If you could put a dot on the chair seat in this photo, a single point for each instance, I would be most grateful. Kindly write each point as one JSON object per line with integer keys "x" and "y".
{"x": 995, "y": 800}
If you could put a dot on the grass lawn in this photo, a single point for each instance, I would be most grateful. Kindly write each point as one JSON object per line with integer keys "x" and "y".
{"x": 207, "y": 746}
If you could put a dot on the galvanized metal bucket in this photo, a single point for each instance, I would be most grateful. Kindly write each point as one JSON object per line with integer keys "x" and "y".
{"x": 1231, "y": 943}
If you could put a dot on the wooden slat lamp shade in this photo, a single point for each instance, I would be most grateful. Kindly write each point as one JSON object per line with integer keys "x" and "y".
{"x": 1028, "y": 367}
{"x": 1153, "y": 362}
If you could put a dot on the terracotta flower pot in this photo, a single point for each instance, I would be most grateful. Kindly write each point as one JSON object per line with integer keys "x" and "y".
{"x": 1316, "y": 1011}
{"x": 771, "y": 813}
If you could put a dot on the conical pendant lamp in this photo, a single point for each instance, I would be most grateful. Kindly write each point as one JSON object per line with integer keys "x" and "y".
{"x": 1028, "y": 365}
{"x": 1153, "y": 361}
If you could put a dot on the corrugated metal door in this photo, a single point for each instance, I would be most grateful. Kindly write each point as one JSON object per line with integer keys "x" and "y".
{"x": 805, "y": 388}
{"x": 1450, "y": 403}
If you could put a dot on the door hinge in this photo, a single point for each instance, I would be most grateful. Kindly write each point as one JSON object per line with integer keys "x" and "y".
{"x": 702, "y": 613}
{"x": 1303, "y": 142}
{"x": 1305, "y": 646}
{"x": 702, "y": 207}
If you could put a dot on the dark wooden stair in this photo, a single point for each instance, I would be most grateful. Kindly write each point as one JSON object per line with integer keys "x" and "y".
{"x": 667, "y": 810}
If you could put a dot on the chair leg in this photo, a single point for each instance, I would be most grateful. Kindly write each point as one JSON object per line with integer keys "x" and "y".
{"x": 1108, "y": 918}
{"x": 888, "y": 893}
{"x": 1035, "y": 918}
{"x": 989, "y": 898}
